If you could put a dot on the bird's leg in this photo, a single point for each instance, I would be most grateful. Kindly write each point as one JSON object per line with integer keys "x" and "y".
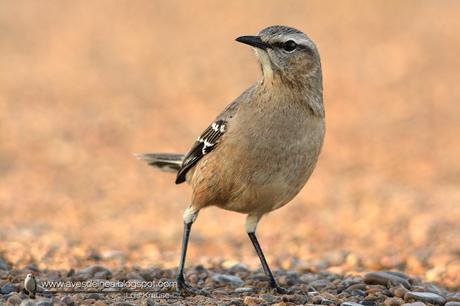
{"x": 251, "y": 224}
{"x": 190, "y": 215}
{"x": 180, "y": 272}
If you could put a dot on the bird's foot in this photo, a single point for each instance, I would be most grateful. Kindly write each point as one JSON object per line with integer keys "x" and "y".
{"x": 281, "y": 290}
{"x": 185, "y": 289}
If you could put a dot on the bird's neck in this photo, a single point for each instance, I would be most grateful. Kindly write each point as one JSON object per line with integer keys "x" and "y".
{"x": 307, "y": 90}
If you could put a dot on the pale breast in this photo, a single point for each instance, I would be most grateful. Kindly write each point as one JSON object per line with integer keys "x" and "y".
{"x": 260, "y": 167}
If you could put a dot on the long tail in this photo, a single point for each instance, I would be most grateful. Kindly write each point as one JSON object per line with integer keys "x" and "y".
{"x": 163, "y": 161}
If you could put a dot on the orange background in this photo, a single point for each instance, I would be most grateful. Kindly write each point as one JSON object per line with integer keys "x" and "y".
{"x": 83, "y": 85}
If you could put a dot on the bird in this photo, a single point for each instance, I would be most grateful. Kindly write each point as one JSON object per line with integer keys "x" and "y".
{"x": 30, "y": 285}
{"x": 260, "y": 151}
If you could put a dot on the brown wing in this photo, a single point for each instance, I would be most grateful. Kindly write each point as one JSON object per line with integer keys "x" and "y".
{"x": 210, "y": 138}
{"x": 204, "y": 144}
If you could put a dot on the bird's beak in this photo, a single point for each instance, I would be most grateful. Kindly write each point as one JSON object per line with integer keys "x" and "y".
{"x": 254, "y": 41}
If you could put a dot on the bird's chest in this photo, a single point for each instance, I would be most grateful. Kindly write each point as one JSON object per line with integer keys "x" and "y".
{"x": 278, "y": 144}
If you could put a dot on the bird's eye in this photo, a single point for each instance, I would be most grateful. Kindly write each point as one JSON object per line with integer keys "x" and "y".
{"x": 289, "y": 46}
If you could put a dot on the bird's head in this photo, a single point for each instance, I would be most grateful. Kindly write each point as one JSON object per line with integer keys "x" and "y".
{"x": 285, "y": 53}
{"x": 29, "y": 276}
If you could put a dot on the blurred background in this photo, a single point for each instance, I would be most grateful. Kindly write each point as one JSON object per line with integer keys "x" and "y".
{"x": 83, "y": 85}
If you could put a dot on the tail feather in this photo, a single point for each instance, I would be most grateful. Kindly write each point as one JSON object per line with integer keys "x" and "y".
{"x": 163, "y": 161}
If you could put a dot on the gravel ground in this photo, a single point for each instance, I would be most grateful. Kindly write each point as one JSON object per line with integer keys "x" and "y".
{"x": 88, "y": 84}
{"x": 233, "y": 285}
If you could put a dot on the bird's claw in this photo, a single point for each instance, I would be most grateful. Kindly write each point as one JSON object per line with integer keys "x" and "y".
{"x": 281, "y": 290}
{"x": 185, "y": 289}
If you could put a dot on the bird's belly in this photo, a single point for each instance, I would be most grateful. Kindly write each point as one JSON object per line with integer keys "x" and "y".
{"x": 264, "y": 176}
{"x": 271, "y": 185}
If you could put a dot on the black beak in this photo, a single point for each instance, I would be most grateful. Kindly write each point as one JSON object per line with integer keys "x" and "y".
{"x": 254, "y": 41}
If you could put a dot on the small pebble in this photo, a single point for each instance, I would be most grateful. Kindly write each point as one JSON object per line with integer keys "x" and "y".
{"x": 112, "y": 254}
{"x": 320, "y": 284}
{"x": 453, "y": 297}
{"x": 359, "y": 286}
{"x": 393, "y": 301}
{"x": 289, "y": 279}
{"x": 220, "y": 292}
{"x": 104, "y": 274}
{"x": 3, "y": 264}
{"x": 135, "y": 275}
{"x": 251, "y": 300}
{"x": 386, "y": 279}
{"x": 426, "y": 297}
{"x": 8, "y": 288}
{"x": 268, "y": 298}
{"x": 239, "y": 267}
{"x": 431, "y": 288}
{"x": 32, "y": 267}
{"x": 236, "y": 302}
{"x": 67, "y": 300}
{"x": 243, "y": 289}
{"x": 350, "y": 304}
{"x": 399, "y": 291}
{"x": 95, "y": 296}
{"x": 259, "y": 277}
{"x": 358, "y": 292}
{"x": 228, "y": 279}
{"x": 14, "y": 299}
{"x": 92, "y": 270}
{"x": 297, "y": 299}
{"x": 43, "y": 303}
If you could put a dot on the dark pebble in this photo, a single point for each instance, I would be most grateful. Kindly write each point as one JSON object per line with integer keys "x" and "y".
{"x": 236, "y": 302}
{"x": 426, "y": 297}
{"x": 43, "y": 303}
{"x": 95, "y": 296}
{"x": 453, "y": 297}
{"x": 268, "y": 297}
{"x": 358, "y": 292}
{"x": 228, "y": 279}
{"x": 92, "y": 270}
{"x": 289, "y": 279}
{"x": 14, "y": 299}
{"x": 369, "y": 303}
{"x": 244, "y": 290}
{"x": 8, "y": 288}
{"x": 32, "y": 267}
{"x": 386, "y": 279}
{"x": 258, "y": 277}
{"x": 320, "y": 284}
{"x": 3, "y": 264}
{"x": 67, "y": 300}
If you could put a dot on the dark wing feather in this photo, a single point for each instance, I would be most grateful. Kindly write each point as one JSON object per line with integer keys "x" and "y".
{"x": 204, "y": 144}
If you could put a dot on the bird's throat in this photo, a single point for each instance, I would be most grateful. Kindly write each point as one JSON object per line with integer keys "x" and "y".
{"x": 266, "y": 66}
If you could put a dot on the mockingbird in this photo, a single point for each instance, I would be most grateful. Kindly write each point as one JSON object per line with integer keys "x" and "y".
{"x": 261, "y": 150}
